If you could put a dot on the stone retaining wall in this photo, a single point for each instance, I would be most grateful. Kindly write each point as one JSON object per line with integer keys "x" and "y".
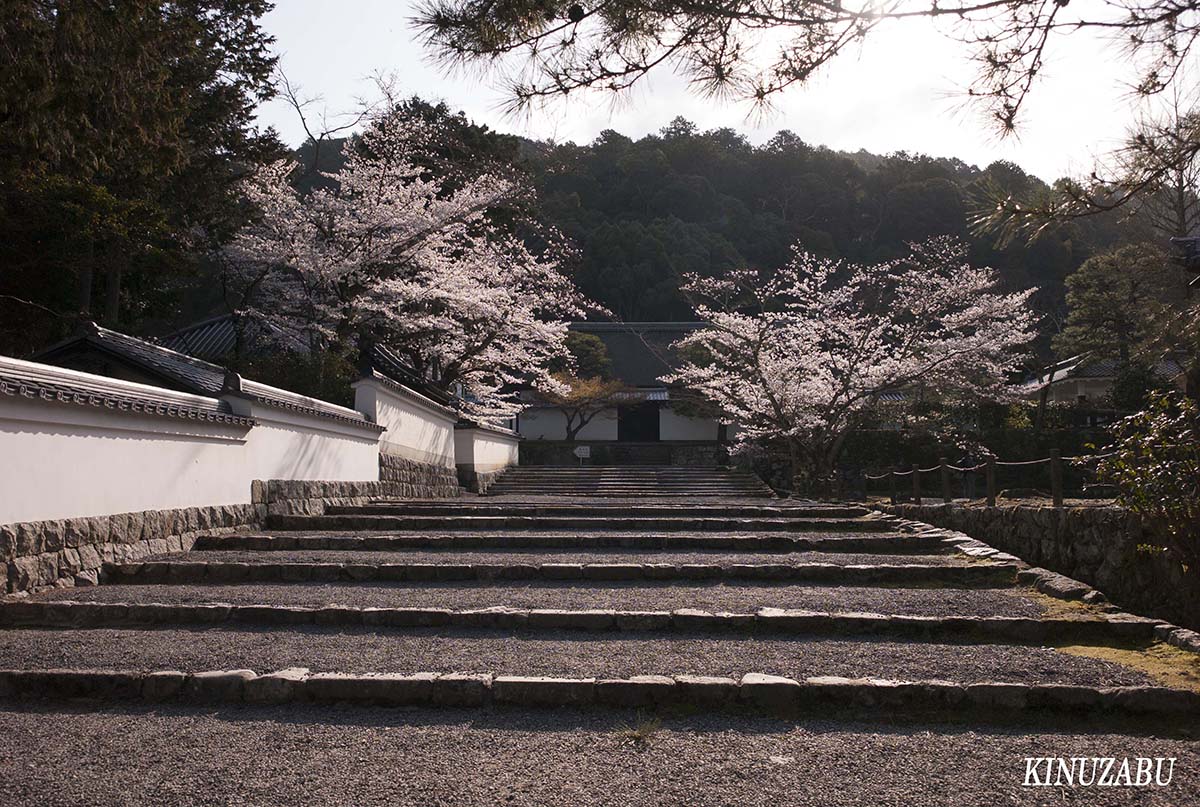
{"x": 70, "y": 551}
{"x": 1106, "y": 547}
{"x": 478, "y": 481}
{"x": 410, "y": 479}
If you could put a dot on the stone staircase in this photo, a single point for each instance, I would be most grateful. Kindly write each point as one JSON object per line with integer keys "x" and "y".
{"x": 716, "y": 605}
{"x": 628, "y": 481}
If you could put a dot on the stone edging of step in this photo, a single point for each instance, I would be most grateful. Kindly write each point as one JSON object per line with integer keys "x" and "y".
{"x": 769, "y": 692}
{"x": 771, "y": 621}
{"x": 1045, "y": 581}
{"x": 767, "y": 543}
{"x": 191, "y": 572}
{"x": 660, "y": 523}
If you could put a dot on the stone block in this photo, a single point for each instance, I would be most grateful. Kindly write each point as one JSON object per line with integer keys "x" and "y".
{"x": 998, "y": 696}
{"x": 780, "y": 620}
{"x": 660, "y": 571}
{"x": 221, "y": 686}
{"x": 335, "y": 615}
{"x": 1180, "y": 705}
{"x": 695, "y": 619}
{"x": 496, "y": 616}
{"x": 537, "y": 691}
{"x": 613, "y": 571}
{"x": 53, "y": 535}
{"x": 549, "y": 619}
{"x": 460, "y": 689}
{"x": 283, "y": 686}
{"x": 640, "y": 690}
{"x": 8, "y": 541}
{"x": 407, "y": 617}
{"x": 89, "y": 557}
{"x": 769, "y": 691}
{"x": 24, "y": 573}
{"x": 562, "y": 571}
{"x": 47, "y": 569}
{"x": 68, "y": 562}
{"x": 163, "y": 685}
{"x": 705, "y": 690}
{"x": 1063, "y": 697}
{"x": 393, "y": 690}
{"x": 29, "y": 541}
{"x": 643, "y": 620}
{"x": 88, "y": 577}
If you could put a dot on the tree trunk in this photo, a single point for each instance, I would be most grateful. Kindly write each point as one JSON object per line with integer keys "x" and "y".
{"x": 112, "y": 296}
{"x": 87, "y": 277}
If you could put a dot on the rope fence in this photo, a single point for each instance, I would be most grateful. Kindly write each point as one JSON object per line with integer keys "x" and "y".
{"x": 989, "y": 466}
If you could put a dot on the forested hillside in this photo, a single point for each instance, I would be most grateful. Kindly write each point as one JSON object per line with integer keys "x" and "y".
{"x": 646, "y": 211}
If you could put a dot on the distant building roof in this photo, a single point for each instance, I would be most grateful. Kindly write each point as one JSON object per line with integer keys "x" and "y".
{"x": 392, "y": 365}
{"x": 179, "y": 371}
{"x": 217, "y": 337}
{"x": 1084, "y": 367}
{"x": 640, "y": 352}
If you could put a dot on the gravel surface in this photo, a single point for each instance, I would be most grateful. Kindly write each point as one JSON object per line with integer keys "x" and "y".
{"x": 175, "y": 756}
{"x": 899, "y": 537}
{"x": 557, "y": 654}
{"x": 626, "y": 597}
{"x": 556, "y": 556}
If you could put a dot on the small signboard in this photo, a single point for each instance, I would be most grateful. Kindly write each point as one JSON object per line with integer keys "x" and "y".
{"x": 583, "y": 452}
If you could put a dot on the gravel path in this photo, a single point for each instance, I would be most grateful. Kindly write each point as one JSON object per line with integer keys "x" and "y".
{"x": 556, "y": 556}
{"x": 177, "y": 757}
{"x": 557, "y": 654}
{"x": 431, "y": 533}
{"x": 629, "y": 597}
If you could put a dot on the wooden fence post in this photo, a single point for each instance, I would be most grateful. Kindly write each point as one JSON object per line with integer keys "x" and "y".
{"x": 916, "y": 475}
{"x": 945, "y": 474}
{"x": 1056, "y": 477}
{"x": 991, "y": 481}
{"x": 892, "y": 484}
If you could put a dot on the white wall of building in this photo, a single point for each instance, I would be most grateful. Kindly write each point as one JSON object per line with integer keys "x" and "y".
{"x": 672, "y": 426}
{"x": 540, "y": 423}
{"x": 481, "y": 449}
{"x": 417, "y": 428}
{"x": 65, "y": 460}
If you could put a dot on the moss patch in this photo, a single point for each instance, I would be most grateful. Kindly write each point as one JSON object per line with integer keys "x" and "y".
{"x": 1054, "y": 607}
{"x": 1167, "y": 665}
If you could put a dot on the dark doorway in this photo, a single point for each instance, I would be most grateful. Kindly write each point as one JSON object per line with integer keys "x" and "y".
{"x": 638, "y": 424}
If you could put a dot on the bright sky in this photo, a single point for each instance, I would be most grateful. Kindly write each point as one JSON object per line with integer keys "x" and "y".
{"x": 902, "y": 91}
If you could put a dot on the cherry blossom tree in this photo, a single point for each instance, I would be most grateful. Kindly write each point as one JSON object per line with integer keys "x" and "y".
{"x": 804, "y": 354}
{"x": 387, "y": 252}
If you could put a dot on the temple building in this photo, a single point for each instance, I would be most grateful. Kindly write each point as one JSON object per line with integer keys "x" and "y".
{"x": 649, "y": 423}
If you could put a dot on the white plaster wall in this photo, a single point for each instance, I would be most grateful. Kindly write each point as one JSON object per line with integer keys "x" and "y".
{"x": 290, "y": 445}
{"x": 673, "y": 426}
{"x": 417, "y": 429}
{"x": 538, "y": 423}
{"x": 482, "y": 450}
{"x": 64, "y": 460}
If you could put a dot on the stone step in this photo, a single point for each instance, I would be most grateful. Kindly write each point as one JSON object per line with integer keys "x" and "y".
{"x": 561, "y": 653}
{"x": 774, "y": 694}
{"x": 638, "y": 595}
{"x": 581, "y": 523}
{"x": 404, "y": 508}
{"x": 115, "y": 612}
{"x": 207, "y": 572}
{"x": 776, "y": 543}
{"x": 561, "y": 556}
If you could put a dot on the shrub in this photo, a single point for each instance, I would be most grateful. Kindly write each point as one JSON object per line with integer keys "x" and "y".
{"x": 1155, "y": 464}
